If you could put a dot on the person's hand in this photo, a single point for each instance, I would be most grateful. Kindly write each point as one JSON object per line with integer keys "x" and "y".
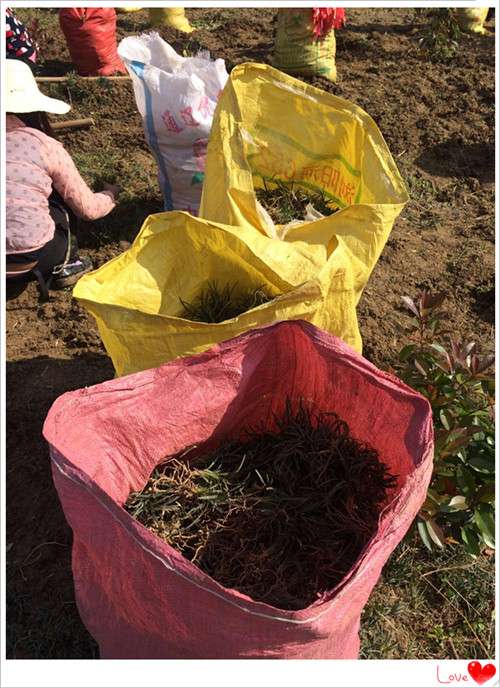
{"x": 114, "y": 188}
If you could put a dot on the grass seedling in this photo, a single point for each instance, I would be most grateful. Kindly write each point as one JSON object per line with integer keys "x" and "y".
{"x": 216, "y": 304}
{"x": 288, "y": 202}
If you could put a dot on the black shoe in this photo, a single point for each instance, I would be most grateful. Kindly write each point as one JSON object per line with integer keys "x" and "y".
{"x": 68, "y": 274}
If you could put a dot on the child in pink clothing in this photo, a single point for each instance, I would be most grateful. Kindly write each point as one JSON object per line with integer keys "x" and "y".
{"x": 43, "y": 187}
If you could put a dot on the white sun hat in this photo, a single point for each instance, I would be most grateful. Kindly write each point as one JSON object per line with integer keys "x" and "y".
{"x": 22, "y": 94}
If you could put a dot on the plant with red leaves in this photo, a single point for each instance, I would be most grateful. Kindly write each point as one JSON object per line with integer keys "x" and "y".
{"x": 453, "y": 376}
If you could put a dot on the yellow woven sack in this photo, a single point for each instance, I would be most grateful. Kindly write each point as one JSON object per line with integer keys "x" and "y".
{"x": 297, "y": 51}
{"x": 135, "y": 298}
{"x": 175, "y": 17}
{"x": 267, "y": 126}
{"x": 471, "y": 19}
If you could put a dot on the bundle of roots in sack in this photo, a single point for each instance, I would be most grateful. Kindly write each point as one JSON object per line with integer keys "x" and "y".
{"x": 280, "y": 515}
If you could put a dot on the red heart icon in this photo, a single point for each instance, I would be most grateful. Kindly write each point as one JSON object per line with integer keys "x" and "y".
{"x": 481, "y": 674}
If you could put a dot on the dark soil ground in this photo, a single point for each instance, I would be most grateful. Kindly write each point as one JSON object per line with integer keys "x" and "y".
{"x": 438, "y": 120}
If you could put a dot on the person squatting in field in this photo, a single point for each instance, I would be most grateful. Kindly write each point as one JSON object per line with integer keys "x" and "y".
{"x": 43, "y": 185}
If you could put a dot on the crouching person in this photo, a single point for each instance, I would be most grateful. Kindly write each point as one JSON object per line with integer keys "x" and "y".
{"x": 43, "y": 186}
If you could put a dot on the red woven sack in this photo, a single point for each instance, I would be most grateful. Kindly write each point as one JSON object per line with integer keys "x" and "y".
{"x": 90, "y": 33}
{"x": 139, "y": 597}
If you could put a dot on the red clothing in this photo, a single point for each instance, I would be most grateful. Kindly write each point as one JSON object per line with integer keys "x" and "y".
{"x": 36, "y": 164}
{"x": 327, "y": 18}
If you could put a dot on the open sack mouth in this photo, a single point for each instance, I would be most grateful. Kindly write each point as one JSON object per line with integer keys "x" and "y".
{"x": 281, "y": 513}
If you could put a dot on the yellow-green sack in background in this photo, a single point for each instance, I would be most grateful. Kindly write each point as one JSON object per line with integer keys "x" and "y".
{"x": 471, "y": 19}
{"x": 296, "y": 49}
{"x": 136, "y": 297}
{"x": 269, "y": 126}
{"x": 175, "y": 17}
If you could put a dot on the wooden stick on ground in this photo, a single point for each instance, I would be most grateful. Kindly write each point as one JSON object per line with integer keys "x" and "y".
{"x": 73, "y": 124}
{"x": 45, "y": 79}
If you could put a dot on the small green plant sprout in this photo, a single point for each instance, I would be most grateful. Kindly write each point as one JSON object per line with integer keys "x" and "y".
{"x": 439, "y": 42}
{"x": 454, "y": 378}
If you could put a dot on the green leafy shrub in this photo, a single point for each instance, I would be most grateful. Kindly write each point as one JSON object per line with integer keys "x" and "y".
{"x": 440, "y": 38}
{"x": 453, "y": 377}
